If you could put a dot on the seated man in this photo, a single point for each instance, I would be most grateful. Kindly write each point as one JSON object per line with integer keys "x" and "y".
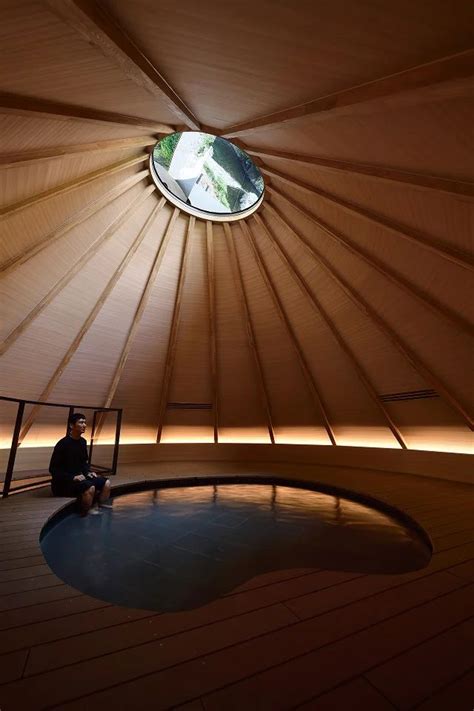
{"x": 70, "y": 468}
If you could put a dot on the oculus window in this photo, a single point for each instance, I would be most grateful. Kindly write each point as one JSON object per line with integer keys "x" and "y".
{"x": 206, "y": 176}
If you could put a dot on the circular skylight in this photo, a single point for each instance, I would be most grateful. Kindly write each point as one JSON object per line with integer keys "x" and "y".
{"x": 206, "y": 176}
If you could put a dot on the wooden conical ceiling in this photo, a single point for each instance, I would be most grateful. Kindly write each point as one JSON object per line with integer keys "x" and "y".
{"x": 339, "y": 314}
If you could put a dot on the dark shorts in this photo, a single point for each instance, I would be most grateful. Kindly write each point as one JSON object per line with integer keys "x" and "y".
{"x": 77, "y": 488}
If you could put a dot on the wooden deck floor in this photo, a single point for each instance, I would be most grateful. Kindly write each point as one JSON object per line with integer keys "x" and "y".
{"x": 306, "y": 639}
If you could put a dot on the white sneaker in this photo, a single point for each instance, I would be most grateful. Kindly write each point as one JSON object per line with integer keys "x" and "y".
{"x": 95, "y": 512}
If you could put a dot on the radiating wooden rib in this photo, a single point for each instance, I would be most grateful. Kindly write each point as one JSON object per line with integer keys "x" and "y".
{"x": 87, "y": 323}
{"x": 35, "y": 155}
{"x": 9, "y": 210}
{"x": 141, "y": 308}
{"x": 43, "y": 108}
{"x": 72, "y": 221}
{"x": 102, "y": 31}
{"x": 362, "y": 304}
{"x": 378, "y": 172}
{"x": 426, "y": 299}
{"x": 236, "y": 268}
{"x": 173, "y": 337}
{"x": 411, "y": 235}
{"x": 319, "y": 406}
{"x": 212, "y": 325}
{"x": 317, "y": 306}
{"x": 432, "y": 79}
{"x": 65, "y": 279}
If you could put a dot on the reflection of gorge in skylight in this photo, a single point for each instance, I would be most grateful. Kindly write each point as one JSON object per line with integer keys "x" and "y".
{"x": 207, "y": 173}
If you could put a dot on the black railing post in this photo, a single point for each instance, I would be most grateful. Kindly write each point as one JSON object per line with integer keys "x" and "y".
{"x": 14, "y": 447}
{"x": 118, "y": 426}
{"x": 94, "y": 422}
{"x": 71, "y": 413}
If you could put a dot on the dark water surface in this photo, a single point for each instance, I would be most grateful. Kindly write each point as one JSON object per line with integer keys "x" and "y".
{"x": 179, "y": 548}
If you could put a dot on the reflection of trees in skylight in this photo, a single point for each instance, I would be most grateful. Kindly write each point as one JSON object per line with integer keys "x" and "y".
{"x": 207, "y": 172}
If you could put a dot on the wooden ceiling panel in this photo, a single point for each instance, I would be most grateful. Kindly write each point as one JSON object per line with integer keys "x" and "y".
{"x": 275, "y": 55}
{"x": 139, "y": 387}
{"x": 97, "y": 352}
{"x": 19, "y": 181}
{"x": 430, "y": 424}
{"x": 27, "y": 228}
{"x": 389, "y": 371}
{"x": 23, "y": 288}
{"x": 428, "y": 138}
{"x": 33, "y": 133}
{"x": 242, "y": 413}
{"x": 445, "y": 218}
{"x": 279, "y": 329}
{"x": 50, "y": 335}
{"x": 42, "y": 57}
{"x": 191, "y": 376}
{"x": 442, "y": 285}
{"x": 293, "y": 408}
{"x": 352, "y": 413}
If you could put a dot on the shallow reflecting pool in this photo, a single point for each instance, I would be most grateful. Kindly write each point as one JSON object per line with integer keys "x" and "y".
{"x": 179, "y": 548}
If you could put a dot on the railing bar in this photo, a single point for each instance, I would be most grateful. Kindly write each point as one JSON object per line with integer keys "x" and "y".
{"x": 13, "y": 449}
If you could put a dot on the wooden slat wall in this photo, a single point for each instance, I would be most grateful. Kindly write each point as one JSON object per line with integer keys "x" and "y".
{"x": 140, "y": 385}
{"x": 241, "y": 414}
{"x": 292, "y": 405}
{"x": 403, "y": 309}
{"x": 191, "y": 374}
{"x": 342, "y": 392}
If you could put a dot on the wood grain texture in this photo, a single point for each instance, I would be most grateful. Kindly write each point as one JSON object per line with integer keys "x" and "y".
{"x": 437, "y": 307}
{"x": 171, "y": 350}
{"x": 305, "y": 287}
{"x": 142, "y": 304}
{"x": 75, "y": 219}
{"x": 71, "y": 185}
{"x": 319, "y": 405}
{"x": 98, "y": 28}
{"x": 92, "y": 315}
{"x": 428, "y": 80}
{"x": 212, "y": 325}
{"x": 404, "y": 348}
{"x": 250, "y": 331}
{"x": 378, "y": 172}
{"x": 25, "y": 105}
{"x": 42, "y": 154}
{"x": 444, "y": 251}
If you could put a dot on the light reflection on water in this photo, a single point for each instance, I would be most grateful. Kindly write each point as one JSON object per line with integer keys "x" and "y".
{"x": 177, "y": 548}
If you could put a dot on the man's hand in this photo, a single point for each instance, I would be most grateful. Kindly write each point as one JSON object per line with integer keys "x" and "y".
{"x": 93, "y": 474}
{"x": 79, "y": 477}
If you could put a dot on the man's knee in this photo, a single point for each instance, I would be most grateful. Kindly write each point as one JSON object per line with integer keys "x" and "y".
{"x": 90, "y": 492}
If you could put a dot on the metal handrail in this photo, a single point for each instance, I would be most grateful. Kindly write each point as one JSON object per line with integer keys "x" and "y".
{"x": 17, "y": 428}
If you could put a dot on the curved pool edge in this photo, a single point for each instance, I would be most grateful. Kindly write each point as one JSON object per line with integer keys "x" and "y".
{"x": 311, "y": 485}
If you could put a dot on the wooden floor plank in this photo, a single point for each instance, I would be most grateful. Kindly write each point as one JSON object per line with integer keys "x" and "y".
{"x": 160, "y": 626}
{"x": 426, "y": 668}
{"x": 11, "y": 666}
{"x": 192, "y": 679}
{"x": 457, "y": 696}
{"x": 324, "y": 630}
{"x": 317, "y": 671}
{"x": 357, "y": 695}
{"x": 72, "y": 603}
{"x": 111, "y": 669}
